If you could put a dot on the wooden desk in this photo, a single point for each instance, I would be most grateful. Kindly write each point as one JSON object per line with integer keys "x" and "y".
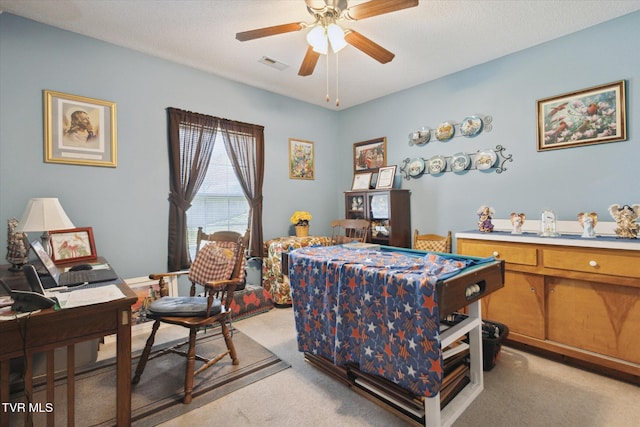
{"x": 49, "y": 329}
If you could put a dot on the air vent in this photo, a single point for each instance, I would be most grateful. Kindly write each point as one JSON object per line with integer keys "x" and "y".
{"x": 273, "y": 63}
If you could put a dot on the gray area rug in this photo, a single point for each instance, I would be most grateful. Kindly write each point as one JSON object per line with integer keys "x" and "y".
{"x": 158, "y": 395}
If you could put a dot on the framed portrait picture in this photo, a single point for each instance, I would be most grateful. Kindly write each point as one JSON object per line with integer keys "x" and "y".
{"x": 79, "y": 130}
{"x": 369, "y": 156}
{"x": 72, "y": 245}
{"x": 590, "y": 116}
{"x": 301, "y": 160}
{"x": 361, "y": 181}
{"x": 386, "y": 176}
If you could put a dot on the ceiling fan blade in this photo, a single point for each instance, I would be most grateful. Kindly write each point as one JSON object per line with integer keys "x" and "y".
{"x": 377, "y": 7}
{"x": 270, "y": 31}
{"x": 368, "y": 46}
{"x": 309, "y": 62}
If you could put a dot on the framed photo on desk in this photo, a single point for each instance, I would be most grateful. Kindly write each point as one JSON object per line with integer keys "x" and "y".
{"x": 73, "y": 245}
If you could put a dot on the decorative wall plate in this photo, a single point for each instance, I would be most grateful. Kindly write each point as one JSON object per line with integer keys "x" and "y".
{"x": 460, "y": 162}
{"x": 437, "y": 164}
{"x": 416, "y": 167}
{"x": 424, "y": 135}
{"x": 471, "y": 126}
{"x": 445, "y": 131}
{"x": 485, "y": 159}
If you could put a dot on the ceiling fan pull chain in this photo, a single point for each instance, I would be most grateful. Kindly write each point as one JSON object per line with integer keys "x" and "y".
{"x": 328, "y": 97}
{"x": 337, "y": 82}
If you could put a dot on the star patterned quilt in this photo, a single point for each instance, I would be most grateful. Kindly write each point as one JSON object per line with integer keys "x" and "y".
{"x": 376, "y": 309}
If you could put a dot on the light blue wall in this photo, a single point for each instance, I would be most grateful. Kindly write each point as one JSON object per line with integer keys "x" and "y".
{"x": 127, "y": 206}
{"x": 131, "y": 223}
{"x": 588, "y": 178}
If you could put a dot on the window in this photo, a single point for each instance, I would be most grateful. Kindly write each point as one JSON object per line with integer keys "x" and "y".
{"x": 220, "y": 203}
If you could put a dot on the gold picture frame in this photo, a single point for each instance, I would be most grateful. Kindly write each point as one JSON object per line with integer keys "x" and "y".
{"x": 79, "y": 130}
{"x": 369, "y": 156}
{"x": 301, "y": 159}
{"x": 590, "y": 116}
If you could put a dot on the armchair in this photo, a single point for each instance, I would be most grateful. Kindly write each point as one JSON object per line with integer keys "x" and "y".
{"x": 219, "y": 269}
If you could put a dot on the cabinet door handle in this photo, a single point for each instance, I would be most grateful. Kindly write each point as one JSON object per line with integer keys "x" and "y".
{"x": 496, "y": 254}
{"x": 593, "y": 263}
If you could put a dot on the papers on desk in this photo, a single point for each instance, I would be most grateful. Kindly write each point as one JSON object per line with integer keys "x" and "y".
{"x": 87, "y": 296}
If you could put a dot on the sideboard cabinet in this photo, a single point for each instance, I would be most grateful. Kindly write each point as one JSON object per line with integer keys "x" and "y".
{"x": 389, "y": 212}
{"x": 576, "y": 299}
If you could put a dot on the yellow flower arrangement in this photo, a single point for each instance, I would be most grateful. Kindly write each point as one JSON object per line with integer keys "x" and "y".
{"x": 301, "y": 218}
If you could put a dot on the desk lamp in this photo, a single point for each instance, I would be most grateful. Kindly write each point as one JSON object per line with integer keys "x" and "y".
{"x": 44, "y": 214}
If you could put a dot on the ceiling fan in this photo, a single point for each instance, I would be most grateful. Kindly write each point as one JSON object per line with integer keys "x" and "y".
{"x": 325, "y": 31}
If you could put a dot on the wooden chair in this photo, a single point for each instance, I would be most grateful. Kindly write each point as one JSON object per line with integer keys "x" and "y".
{"x": 432, "y": 242}
{"x": 349, "y": 230}
{"x": 218, "y": 268}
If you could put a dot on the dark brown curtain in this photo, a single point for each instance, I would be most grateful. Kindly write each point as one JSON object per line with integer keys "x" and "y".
{"x": 191, "y": 140}
{"x": 245, "y": 146}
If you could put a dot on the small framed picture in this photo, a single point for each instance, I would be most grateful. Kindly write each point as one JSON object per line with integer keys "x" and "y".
{"x": 79, "y": 130}
{"x": 361, "y": 181}
{"x": 73, "y": 245}
{"x": 370, "y": 155}
{"x": 386, "y": 176}
{"x": 301, "y": 161}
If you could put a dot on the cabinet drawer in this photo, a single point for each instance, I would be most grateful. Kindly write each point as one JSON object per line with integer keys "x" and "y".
{"x": 514, "y": 254}
{"x": 592, "y": 262}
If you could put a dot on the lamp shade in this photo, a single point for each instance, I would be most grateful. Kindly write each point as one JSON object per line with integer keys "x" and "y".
{"x": 44, "y": 214}
{"x": 336, "y": 37}
{"x": 318, "y": 40}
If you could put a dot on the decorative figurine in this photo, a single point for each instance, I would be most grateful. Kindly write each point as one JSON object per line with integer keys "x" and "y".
{"x": 517, "y": 220}
{"x": 588, "y": 223}
{"x": 626, "y": 218}
{"x": 17, "y": 246}
{"x": 484, "y": 222}
{"x": 548, "y": 223}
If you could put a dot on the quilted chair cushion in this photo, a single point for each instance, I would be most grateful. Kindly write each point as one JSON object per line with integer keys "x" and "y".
{"x": 182, "y": 307}
{"x": 215, "y": 261}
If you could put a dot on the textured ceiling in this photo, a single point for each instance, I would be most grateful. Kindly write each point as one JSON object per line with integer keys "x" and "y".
{"x": 431, "y": 40}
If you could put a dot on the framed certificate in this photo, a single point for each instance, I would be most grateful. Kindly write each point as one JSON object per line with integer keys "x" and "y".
{"x": 361, "y": 181}
{"x": 386, "y": 176}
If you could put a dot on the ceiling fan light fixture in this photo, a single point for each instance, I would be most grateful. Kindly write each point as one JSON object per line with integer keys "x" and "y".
{"x": 336, "y": 37}
{"x": 318, "y": 40}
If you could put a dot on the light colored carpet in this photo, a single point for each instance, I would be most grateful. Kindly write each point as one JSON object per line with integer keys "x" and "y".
{"x": 522, "y": 390}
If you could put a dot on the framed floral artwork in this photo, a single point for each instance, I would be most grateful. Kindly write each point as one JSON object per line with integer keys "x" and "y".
{"x": 369, "y": 156}
{"x": 301, "y": 159}
{"x": 73, "y": 245}
{"x": 79, "y": 130}
{"x": 590, "y": 116}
